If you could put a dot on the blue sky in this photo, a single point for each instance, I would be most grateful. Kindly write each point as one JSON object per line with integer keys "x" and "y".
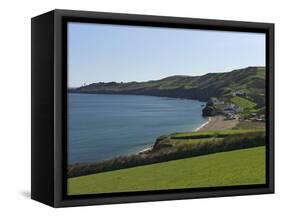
{"x": 104, "y": 52}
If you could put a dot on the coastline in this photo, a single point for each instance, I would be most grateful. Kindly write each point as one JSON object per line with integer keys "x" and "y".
{"x": 145, "y": 150}
{"x": 148, "y": 149}
{"x": 213, "y": 123}
{"x": 218, "y": 123}
{"x": 204, "y": 124}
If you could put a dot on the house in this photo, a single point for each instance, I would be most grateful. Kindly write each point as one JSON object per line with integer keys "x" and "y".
{"x": 229, "y": 107}
{"x": 232, "y": 108}
{"x": 239, "y": 93}
{"x": 214, "y": 101}
{"x": 229, "y": 116}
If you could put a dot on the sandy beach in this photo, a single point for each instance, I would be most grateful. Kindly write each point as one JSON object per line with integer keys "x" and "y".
{"x": 218, "y": 123}
{"x": 214, "y": 123}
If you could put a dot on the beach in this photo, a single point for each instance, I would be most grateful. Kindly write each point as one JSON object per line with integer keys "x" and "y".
{"x": 214, "y": 123}
{"x": 218, "y": 123}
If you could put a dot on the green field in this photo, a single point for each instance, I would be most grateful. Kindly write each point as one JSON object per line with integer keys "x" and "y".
{"x": 240, "y": 167}
{"x": 207, "y": 138}
{"x": 202, "y": 134}
{"x": 243, "y": 103}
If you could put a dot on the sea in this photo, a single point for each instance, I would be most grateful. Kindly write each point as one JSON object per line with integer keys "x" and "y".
{"x": 104, "y": 126}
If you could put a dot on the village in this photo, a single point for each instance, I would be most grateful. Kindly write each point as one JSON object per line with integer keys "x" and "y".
{"x": 230, "y": 110}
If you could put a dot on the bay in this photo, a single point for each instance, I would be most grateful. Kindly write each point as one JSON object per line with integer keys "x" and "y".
{"x": 102, "y": 126}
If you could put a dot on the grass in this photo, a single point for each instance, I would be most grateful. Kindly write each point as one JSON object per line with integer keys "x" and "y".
{"x": 183, "y": 142}
{"x": 243, "y": 103}
{"x": 177, "y": 146}
{"x": 193, "y": 138}
{"x": 240, "y": 167}
{"x": 206, "y": 134}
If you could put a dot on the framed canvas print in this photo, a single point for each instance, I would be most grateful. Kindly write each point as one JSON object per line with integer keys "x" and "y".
{"x": 130, "y": 108}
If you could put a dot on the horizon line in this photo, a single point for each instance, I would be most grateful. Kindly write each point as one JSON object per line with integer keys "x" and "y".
{"x": 87, "y": 84}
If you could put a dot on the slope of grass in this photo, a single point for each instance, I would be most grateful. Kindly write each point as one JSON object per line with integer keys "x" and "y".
{"x": 243, "y": 103}
{"x": 250, "y": 80}
{"x": 177, "y": 146}
{"x": 207, "y": 134}
{"x": 240, "y": 167}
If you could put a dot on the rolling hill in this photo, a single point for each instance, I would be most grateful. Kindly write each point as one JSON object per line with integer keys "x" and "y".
{"x": 250, "y": 80}
{"x": 177, "y": 146}
{"x": 240, "y": 167}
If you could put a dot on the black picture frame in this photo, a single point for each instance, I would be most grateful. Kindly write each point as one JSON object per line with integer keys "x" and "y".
{"x": 49, "y": 104}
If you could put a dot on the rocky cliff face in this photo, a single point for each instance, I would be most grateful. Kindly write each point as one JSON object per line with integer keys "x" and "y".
{"x": 209, "y": 111}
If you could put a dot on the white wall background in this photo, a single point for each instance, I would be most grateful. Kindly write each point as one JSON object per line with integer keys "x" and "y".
{"x": 15, "y": 106}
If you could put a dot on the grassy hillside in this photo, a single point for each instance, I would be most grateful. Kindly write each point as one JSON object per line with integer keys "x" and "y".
{"x": 243, "y": 103}
{"x": 250, "y": 80}
{"x": 177, "y": 146}
{"x": 240, "y": 167}
{"x": 211, "y": 140}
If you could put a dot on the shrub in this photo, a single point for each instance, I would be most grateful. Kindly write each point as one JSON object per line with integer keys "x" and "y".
{"x": 167, "y": 153}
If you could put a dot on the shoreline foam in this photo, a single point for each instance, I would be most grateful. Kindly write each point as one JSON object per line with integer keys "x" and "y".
{"x": 203, "y": 125}
{"x": 218, "y": 122}
{"x": 213, "y": 123}
{"x": 147, "y": 149}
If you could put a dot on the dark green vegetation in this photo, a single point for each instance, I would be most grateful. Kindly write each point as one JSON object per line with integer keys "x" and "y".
{"x": 177, "y": 146}
{"x": 240, "y": 167}
{"x": 250, "y": 81}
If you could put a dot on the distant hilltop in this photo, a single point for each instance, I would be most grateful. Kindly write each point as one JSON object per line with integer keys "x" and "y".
{"x": 249, "y": 81}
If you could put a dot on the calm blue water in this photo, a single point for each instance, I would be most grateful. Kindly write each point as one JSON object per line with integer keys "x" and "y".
{"x": 104, "y": 126}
